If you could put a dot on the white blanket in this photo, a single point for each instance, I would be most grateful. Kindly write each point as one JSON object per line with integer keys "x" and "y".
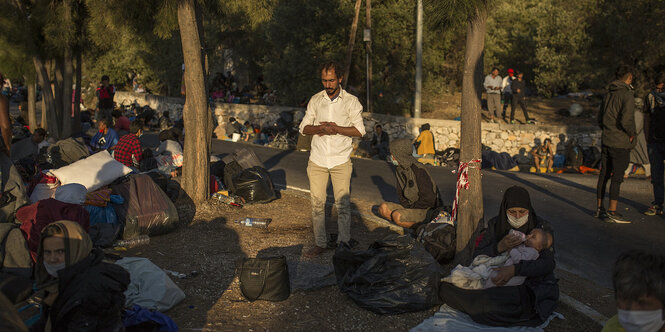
{"x": 449, "y": 319}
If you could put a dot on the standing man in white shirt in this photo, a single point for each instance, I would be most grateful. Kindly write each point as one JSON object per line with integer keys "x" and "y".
{"x": 492, "y": 84}
{"x": 333, "y": 117}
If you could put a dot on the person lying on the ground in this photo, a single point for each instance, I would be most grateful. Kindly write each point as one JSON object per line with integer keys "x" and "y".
{"x": 480, "y": 273}
{"x": 542, "y": 152}
{"x": 80, "y": 291}
{"x": 639, "y": 290}
{"x": 121, "y": 123}
{"x": 105, "y": 138}
{"x": 128, "y": 150}
{"x": 424, "y": 144}
{"x": 529, "y": 304}
{"x": 29, "y": 146}
{"x": 417, "y": 191}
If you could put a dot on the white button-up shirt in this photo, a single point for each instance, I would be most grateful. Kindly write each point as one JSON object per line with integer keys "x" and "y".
{"x": 346, "y": 111}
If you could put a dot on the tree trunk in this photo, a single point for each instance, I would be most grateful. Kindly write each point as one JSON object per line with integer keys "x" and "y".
{"x": 32, "y": 104}
{"x": 67, "y": 81}
{"x": 196, "y": 169}
{"x": 470, "y": 202}
{"x": 49, "y": 119}
{"x": 368, "y": 49}
{"x": 76, "y": 120}
{"x": 352, "y": 41}
{"x": 58, "y": 92}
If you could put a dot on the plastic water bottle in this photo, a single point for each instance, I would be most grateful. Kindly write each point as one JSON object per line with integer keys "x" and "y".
{"x": 254, "y": 222}
{"x": 135, "y": 242}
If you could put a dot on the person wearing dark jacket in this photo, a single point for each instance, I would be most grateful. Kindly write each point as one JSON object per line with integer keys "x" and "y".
{"x": 518, "y": 86}
{"x": 654, "y": 120}
{"x": 617, "y": 121}
{"x": 529, "y": 304}
{"x": 80, "y": 291}
{"x": 415, "y": 187}
{"x": 380, "y": 142}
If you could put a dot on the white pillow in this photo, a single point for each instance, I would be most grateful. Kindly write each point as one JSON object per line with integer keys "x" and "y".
{"x": 93, "y": 172}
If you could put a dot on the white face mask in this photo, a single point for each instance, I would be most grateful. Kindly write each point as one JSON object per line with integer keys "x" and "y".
{"x": 641, "y": 320}
{"x": 53, "y": 269}
{"x": 517, "y": 222}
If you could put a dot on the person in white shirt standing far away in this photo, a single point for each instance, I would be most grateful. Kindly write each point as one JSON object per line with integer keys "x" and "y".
{"x": 333, "y": 117}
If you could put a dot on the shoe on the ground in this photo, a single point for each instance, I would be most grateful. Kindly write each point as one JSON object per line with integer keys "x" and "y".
{"x": 600, "y": 213}
{"x": 315, "y": 251}
{"x": 616, "y": 217}
{"x": 531, "y": 121}
{"x": 654, "y": 210}
{"x": 512, "y": 121}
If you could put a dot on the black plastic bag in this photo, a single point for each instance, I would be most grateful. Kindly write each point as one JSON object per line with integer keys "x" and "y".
{"x": 254, "y": 185}
{"x": 395, "y": 275}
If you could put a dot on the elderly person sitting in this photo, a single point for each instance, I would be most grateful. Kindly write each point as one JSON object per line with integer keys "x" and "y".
{"x": 417, "y": 191}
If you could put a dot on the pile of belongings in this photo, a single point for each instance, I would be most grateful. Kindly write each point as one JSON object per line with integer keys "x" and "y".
{"x": 244, "y": 175}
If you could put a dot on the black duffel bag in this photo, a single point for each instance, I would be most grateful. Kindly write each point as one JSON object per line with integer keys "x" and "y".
{"x": 264, "y": 278}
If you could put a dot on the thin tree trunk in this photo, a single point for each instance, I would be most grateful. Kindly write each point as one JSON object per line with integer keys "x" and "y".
{"x": 58, "y": 91}
{"x": 67, "y": 81}
{"x": 352, "y": 41}
{"x": 76, "y": 121}
{"x": 196, "y": 170}
{"x": 368, "y": 49}
{"x": 32, "y": 104}
{"x": 49, "y": 119}
{"x": 470, "y": 202}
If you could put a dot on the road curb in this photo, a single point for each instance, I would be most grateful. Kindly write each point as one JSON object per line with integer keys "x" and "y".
{"x": 575, "y": 304}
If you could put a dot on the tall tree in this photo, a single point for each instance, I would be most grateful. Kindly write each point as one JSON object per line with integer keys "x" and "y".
{"x": 470, "y": 201}
{"x": 352, "y": 41}
{"x": 196, "y": 170}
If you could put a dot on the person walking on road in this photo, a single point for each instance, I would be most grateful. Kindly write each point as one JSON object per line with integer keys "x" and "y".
{"x": 654, "y": 113}
{"x": 492, "y": 84}
{"x": 617, "y": 121}
{"x": 333, "y": 117}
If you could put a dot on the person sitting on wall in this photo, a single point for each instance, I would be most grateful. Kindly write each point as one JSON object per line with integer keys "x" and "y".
{"x": 417, "y": 191}
{"x": 380, "y": 142}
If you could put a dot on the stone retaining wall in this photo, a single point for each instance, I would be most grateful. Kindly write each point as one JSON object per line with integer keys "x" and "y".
{"x": 498, "y": 136}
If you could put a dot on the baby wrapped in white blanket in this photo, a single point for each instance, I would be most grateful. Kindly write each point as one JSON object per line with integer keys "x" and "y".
{"x": 481, "y": 271}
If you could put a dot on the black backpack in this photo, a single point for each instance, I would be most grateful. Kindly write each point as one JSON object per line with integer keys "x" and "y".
{"x": 439, "y": 239}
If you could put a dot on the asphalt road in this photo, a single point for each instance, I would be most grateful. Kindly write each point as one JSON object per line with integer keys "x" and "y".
{"x": 585, "y": 245}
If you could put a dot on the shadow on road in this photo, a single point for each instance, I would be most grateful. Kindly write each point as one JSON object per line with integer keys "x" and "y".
{"x": 384, "y": 187}
{"x": 274, "y": 160}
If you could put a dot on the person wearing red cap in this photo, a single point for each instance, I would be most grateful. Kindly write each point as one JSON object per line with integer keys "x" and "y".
{"x": 507, "y": 91}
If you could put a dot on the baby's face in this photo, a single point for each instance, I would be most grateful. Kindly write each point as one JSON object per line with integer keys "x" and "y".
{"x": 538, "y": 239}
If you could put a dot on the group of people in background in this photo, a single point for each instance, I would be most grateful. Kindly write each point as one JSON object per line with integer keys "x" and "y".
{"x": 513, "y": 90}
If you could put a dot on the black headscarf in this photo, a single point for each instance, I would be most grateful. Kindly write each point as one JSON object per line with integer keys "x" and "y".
{"x": 514, "y": 196}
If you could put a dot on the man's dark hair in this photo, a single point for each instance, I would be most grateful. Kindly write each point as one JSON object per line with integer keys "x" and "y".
{"x": 104, "y": 121}
{"x": 135, "y": 126}
{"x": 331, "y": 65}
{"x": 105, "y": 78}
{"x": 116, "y": 114}
{"x": 660, "y": 78}
{"x": 378, "y": 126}
{"x": 40, "y": 131}
{"x": 246, "y": 124}
{"x": 493, "y": 69}
{"x": 638, "y": 273}
{"x": 623, "y": 71}
{"x": 547, "y": 140}
{"x": 425, "y": 126}
{"x": 232, "y": 119}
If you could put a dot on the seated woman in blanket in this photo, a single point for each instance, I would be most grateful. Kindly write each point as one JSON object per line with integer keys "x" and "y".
{"x": 528, "y": 304}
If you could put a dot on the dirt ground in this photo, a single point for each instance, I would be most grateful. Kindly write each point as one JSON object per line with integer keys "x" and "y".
{"x": 549, "y": 111}
{"x": 209, "y": 242}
